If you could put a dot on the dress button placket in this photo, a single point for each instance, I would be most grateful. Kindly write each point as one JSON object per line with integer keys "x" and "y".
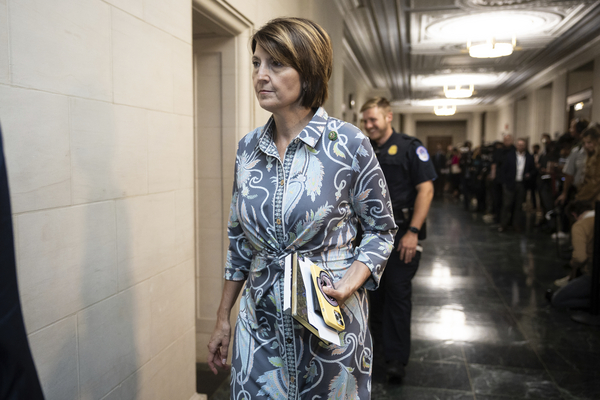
{"x": 283, "y": 169}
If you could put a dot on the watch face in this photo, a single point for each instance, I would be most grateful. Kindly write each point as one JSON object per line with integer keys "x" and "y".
{"x": 413, "y": 229}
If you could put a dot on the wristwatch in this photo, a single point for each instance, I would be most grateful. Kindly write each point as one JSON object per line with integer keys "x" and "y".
{"x": 413, "y": 230}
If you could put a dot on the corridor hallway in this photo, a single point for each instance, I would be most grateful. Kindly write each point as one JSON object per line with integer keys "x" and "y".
{"x": 482, "y": 328}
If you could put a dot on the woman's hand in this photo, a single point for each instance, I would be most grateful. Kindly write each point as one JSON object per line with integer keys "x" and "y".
{"x": 353, "y": 279}
{"x": 218, "y": 346}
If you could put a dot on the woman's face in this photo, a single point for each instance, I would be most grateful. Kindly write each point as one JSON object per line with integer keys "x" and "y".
{"x": 277, "y": 86}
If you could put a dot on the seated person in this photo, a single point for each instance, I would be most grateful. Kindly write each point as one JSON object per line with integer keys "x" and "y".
{"x": 576, "y": 293}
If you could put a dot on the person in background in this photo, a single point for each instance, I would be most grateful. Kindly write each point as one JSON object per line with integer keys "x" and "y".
{"x": 455, "y": 172}
{"x": 466, "y": 174}
{"x": 517, "y": 171}
{"x": 575, "y": 288}
{"x": 575, "y": 164}
{"x": 544, "y": 176}
{"x": 500, "y": 153}
{"x": 409, "y": 172}
{"x": 536, "y": 153}
{"x": 479, "y": 171}
{"x": 302, "y": 184}
{"x": 590, "y": 187}
{"x": 439, "y": 163}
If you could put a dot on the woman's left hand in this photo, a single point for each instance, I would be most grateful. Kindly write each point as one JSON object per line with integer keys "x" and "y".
{"x": 353, "y": 279}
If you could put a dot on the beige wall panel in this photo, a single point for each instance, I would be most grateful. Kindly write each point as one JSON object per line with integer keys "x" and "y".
{"x": 4, "y": 68}
{"x": 114, "y": 340}
{"x": 184, "y": 225}
{"x": 134, "y": 7}
{"x": 62, "y": 46}
{"x": 208, "y": 148}
{"x": 172, "y": 305}
{"x": 183, "y": 100}
{"x": 142, "y": 69}
{"x": 170, "y": 152}
{"x": 67, "y": 261}
{"x": 202, "y": 340}
{"x": 145, "y": 236}
{"x": 210, "y": 296}
{"x": 174, "y": 16}
{"x": 54, "y": 350}
{"x": 35, "y": 128}
{"x": 170, "y": 375}
{"x": 210, "y": 206}
{"x": 212, "y": 250}
{"x": 109, "y": 151}
{"x": 175, "y": 369}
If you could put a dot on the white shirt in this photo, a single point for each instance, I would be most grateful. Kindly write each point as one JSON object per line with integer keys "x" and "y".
{"x": 520, "y": 166}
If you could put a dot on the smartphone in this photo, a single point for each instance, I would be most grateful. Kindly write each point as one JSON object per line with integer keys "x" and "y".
{"x": 330, "y": 309}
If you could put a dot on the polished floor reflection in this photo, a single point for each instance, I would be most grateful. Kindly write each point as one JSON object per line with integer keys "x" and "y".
{"x": 482, "y": 328}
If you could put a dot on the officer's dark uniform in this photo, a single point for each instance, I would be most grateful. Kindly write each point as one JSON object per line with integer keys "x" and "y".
{"x": 405, "y": 164}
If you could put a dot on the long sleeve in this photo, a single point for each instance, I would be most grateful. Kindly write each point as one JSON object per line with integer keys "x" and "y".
{"x": 373, "y": 207}
{"x": 239, "y": 254}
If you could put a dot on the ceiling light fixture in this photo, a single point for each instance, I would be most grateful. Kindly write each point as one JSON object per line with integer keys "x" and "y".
{"x": 444, "y": 110}
{"x": 579, "y": 106}
{"x": 458, "y": 92}
{"x": 491, "y": 49}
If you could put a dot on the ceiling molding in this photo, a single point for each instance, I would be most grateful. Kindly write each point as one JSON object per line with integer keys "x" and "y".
{"x": 353, "y": 65}
{"x": 223, "y": 15}
{"x": 581, "y": 34}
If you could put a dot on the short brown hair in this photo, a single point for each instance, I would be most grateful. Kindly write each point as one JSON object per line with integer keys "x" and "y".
{"x": 379, "y": 102}
{"x": 304, "y": 46}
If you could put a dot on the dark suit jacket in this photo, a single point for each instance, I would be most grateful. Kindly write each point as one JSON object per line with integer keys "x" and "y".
{"x": 508, "y": 170}
{"x": 18, "y": 377}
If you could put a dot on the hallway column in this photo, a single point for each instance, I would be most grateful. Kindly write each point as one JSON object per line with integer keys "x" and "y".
{"x": 506, "y": 120}
{"x": 474, "y": 134}
{"x": 533, "y": 126}
{"x": 410, "y": 127}
{"x": 559, "y": 98}
{"x": 596, "y": 92}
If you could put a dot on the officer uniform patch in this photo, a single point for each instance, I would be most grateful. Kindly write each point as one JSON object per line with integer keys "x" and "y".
{"x": 422, "y": 153}
{"x": 393, "y": 150}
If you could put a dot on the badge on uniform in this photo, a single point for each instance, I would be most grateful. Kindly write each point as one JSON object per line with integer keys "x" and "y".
{"x": 422, "y": 153}
{"x": 393, "y": 150}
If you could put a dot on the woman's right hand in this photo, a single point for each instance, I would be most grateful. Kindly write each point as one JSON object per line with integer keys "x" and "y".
{"x": 218, "y": 346}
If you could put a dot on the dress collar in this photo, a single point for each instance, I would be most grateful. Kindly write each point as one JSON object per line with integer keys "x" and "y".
{"x": 310, "y": 135}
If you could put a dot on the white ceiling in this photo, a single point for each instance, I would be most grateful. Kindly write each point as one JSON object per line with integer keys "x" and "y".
{"x": 413, "y": 47}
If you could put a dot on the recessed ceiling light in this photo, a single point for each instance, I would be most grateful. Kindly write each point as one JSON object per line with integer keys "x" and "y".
{"x": 444, "y": 110}
{"x": 498, "y": 24}
{"x": 458, "y": 92}
{"x": 491, "y": 49}
{"x": 479, "y": 79}
{"x": 445, "y": 102}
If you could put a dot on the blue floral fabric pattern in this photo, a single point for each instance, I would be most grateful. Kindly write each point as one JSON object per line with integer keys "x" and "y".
{"x": 310, "y": 202}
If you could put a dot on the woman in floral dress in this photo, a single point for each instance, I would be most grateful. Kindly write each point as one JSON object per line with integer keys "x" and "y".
{"x": 303, "y": 182}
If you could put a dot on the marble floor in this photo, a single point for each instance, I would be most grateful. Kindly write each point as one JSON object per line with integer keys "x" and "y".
{"x": 481, "y": 326}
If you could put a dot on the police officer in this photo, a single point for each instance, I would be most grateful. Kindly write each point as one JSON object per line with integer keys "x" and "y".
{"x": 409, "y": 172}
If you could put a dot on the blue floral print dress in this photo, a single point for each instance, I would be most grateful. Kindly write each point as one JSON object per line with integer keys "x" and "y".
{"x": 310, "y": 202}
